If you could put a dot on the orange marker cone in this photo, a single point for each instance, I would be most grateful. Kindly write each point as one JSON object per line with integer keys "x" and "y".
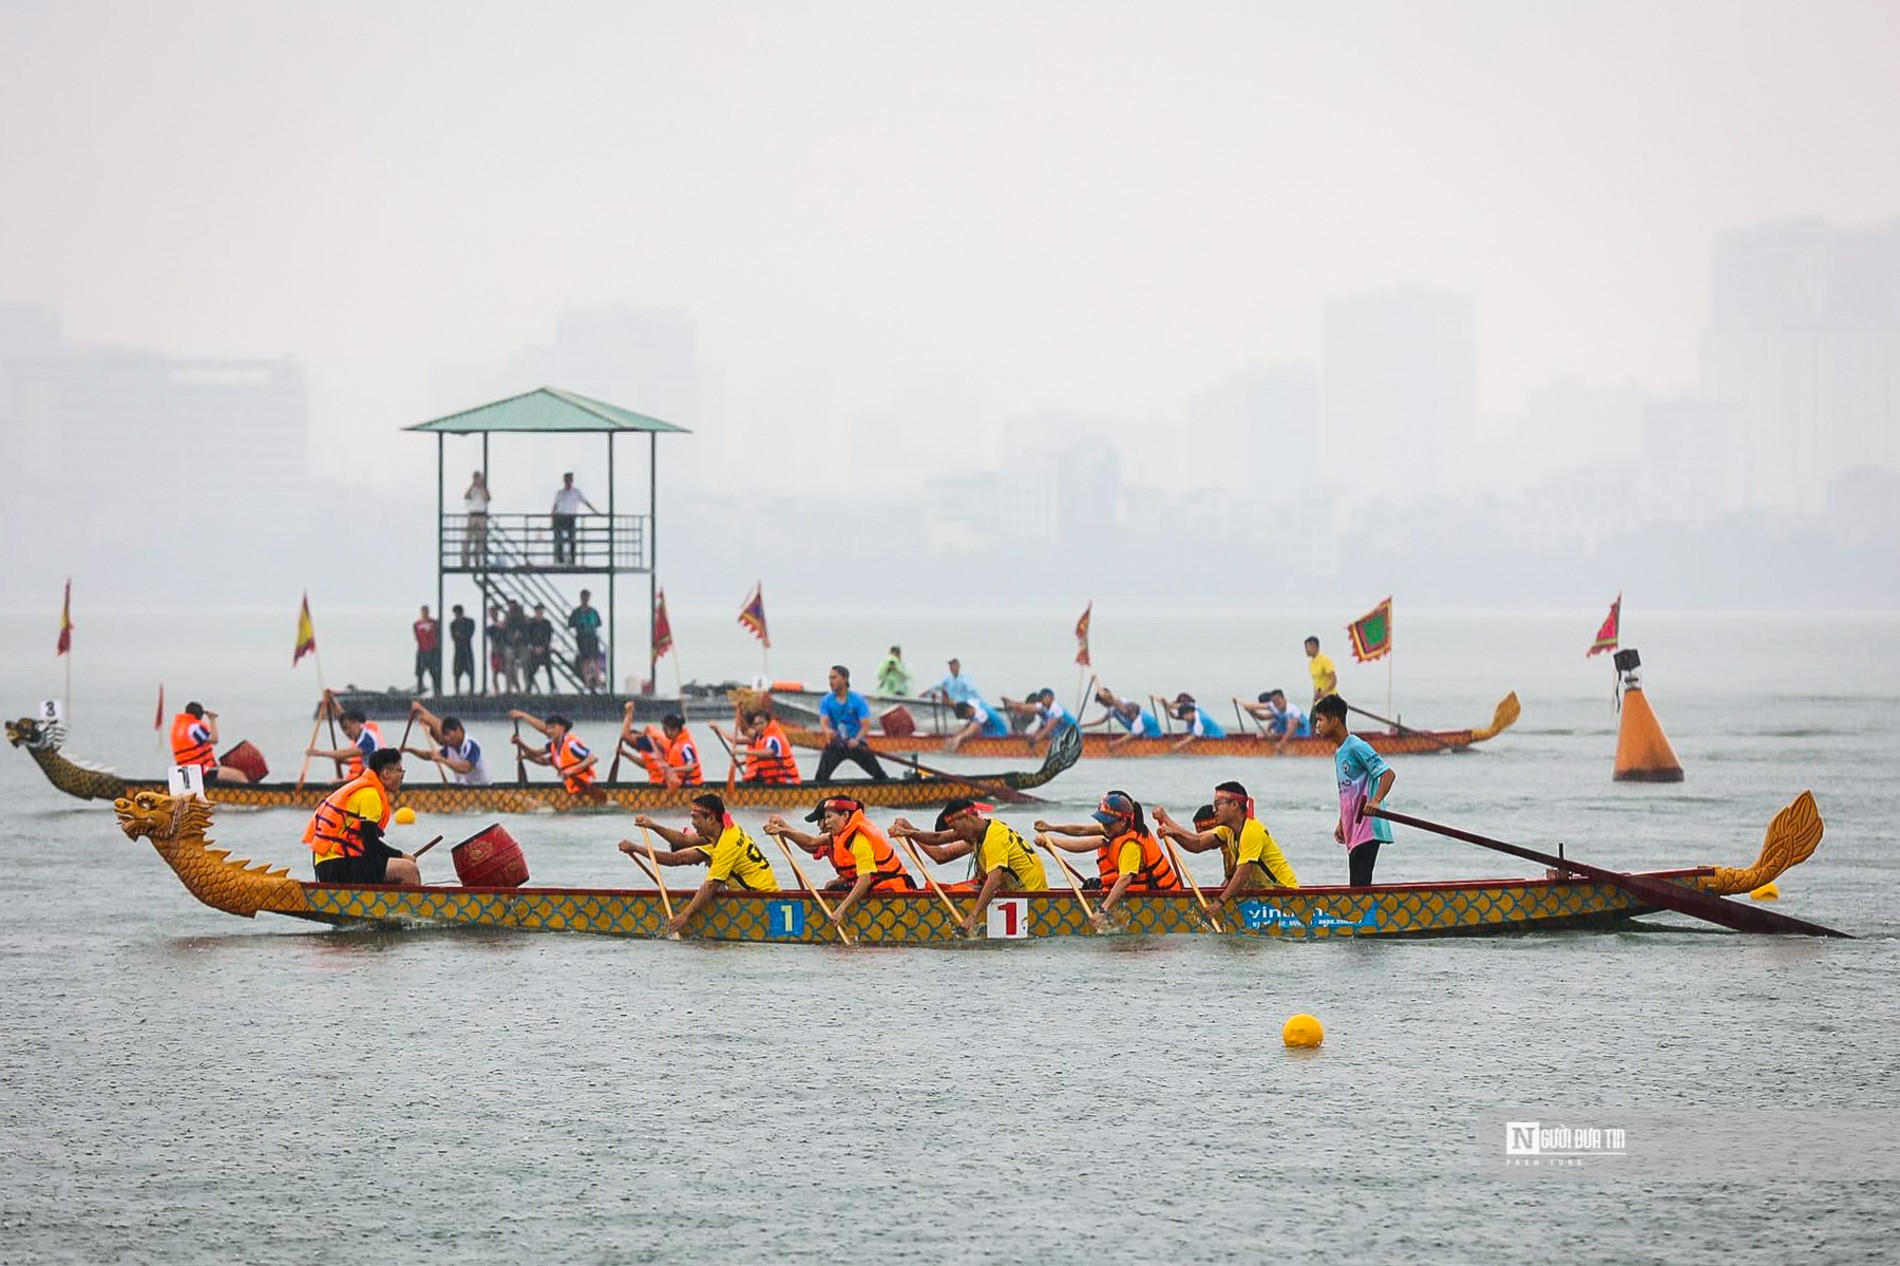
{"x": 1643, "y": 753}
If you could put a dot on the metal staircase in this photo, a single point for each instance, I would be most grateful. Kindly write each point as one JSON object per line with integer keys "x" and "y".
{"x": 510, "y": 576}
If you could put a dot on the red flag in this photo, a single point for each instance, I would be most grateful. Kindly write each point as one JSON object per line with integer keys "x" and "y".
{"x": 1371, "y": 633}
{"x": 158, "y": 718}
{"x": 1082, "y": 635}
{"x": 752, "y": 615}
{"x": 1606, "y": 635}
{"x": 306, "y": 633}
{"x": 66, "y": 622}
{"x": 662, "y": 628}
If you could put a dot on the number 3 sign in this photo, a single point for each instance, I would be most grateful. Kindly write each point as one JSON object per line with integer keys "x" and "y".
{"x": 1008, "y": 919}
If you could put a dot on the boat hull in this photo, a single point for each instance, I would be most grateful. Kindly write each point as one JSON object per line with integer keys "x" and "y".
{"x": 1104, "y": 746}
{"x": 1487, "y": 907}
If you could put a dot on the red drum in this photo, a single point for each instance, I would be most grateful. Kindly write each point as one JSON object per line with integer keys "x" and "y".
{"x": 490, "y": 859}
{"x": 247, "y": 760}
{"x": 897, "y": 722}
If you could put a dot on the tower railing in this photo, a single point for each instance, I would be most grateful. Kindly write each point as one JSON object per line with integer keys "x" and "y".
{"x": 597, "y": 543}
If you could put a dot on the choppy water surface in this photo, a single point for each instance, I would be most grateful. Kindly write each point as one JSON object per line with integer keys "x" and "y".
{"x": 178, "y": 1086}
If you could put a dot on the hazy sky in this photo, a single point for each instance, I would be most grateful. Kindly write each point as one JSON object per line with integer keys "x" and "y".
{"x": 1103, "y": 207}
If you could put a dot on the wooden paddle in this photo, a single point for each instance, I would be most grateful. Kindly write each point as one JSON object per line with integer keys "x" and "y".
{"x": 1075, "y": 885}
{"x": 956, "y": 915}
{"x": 665, "y": 901}
{"x": 521, "y": 765}
{"x": 1207, "y": 911}
{"x": 1658, "y": 892}
{"x": 732, "y": 756}
{"x": 329, "y": 710}
{"x": 425, "y": 848}
{"x": 806, "y": 884}
{"x": 1404, "y": 729}
{"x": 315, "y": 729}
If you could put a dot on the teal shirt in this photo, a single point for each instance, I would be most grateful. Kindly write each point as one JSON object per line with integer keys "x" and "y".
{"x": 1360, "y": 769}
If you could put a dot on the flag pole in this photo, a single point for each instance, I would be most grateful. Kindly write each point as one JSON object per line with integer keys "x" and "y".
{"x": 69, "y": 686}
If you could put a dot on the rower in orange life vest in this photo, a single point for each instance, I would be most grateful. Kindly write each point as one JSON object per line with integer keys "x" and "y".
{"x": 767, "y": 750}
{"x": 1000, "y": 855}
{"x": 345, "y": 834}
{"x": 714, "y": 841}
{"x": 1128, "y": 858}
{"x": 564, "y": 753}
{"x": 194, "y": 742}
{"x": 680, "y": 752}
{"x": 863, "y": 858}
{"x": 647, "y": 746}
{"x": 364, "y": 735}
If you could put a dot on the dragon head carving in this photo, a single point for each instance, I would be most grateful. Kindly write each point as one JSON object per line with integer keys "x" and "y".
{"x": 177, "y": 826}
{"x": 160, "y": 817}
{"x": 26, "y": 732}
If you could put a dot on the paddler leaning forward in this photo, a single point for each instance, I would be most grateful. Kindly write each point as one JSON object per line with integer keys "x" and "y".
{"x": 714, "y": 841}
{"x": 863, "y": 858}
{"x": 565, "y": 753}
{"x": 345, "y": 834}
{"x": 1249, "y": 853}
{"x": 1128, "y": 857}
{"x": 1002, "y": 858}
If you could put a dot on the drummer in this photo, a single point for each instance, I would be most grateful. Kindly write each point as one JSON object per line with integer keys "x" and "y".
{"x": 195, "y": 742}
{"x": 862, "y": 856}
{"x": 715, "y": 841}
{"x": 455, "y": 752}
{"x": 1001, "y": 856}
{"x": 345, "y": 834}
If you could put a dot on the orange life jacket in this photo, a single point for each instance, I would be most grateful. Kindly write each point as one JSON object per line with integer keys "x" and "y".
{"x": 189, "y": 751}
{"x": 674, "y": 751}
{"x": 892, "y": 877}
{"x": 333, "y": 830}
{"x": 1156, "y": 874}
{"x": 567, "y": 758}
{"x": 762, "y": 766}
{"x": 375, "y": 733}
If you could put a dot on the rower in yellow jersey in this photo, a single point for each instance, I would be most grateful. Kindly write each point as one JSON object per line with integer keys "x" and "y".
{"x": 714, "y": 841}
{"x": 1002, "y": 858}
{"x": 1251, "y": 856}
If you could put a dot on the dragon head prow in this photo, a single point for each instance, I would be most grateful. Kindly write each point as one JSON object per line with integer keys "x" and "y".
{"x": 26, "y": 733}
{"x": 162, "y": 818}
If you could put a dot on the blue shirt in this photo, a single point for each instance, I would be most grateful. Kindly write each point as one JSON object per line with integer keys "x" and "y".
{"x": 994, "y": 726}
{"x": 1144, "y": 724}
{"x": 957, "y": 689}
{"x": 1360, "y": 769}
{"x": 1205, "y": 726}
{"x": 847, "y": 717}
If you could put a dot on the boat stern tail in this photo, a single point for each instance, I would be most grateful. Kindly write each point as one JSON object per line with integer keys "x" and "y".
{"x": 176, "y": 826}
{"x": 1791, "y": 840}
{"x": 1506, "y": 715}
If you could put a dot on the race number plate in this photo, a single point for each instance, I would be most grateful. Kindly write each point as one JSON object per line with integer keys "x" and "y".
{"x": 1008, "y": 919}
{"x": 188, "y": 780}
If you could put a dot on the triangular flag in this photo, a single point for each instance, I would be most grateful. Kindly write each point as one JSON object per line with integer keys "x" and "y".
{"x": 752, "y": 615}
{"x": 1606, "y": 635}
{"x": 662, "y": 628}
{"x": 1082, "y": 634}
{"x": 306, "y": 633}
{"x": 65, "y": 622}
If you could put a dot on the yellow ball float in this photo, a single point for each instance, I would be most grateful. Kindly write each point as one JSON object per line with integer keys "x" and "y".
{"x": 1767, "y": 892}
{"x": 1303, "y": 1032}
{"x": 405, "y": 816}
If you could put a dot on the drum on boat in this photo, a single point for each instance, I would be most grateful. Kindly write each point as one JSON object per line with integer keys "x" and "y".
{"x": 897, "y": 722}
{"x": 247, "y": 760}
{"x": 490, "y": 859}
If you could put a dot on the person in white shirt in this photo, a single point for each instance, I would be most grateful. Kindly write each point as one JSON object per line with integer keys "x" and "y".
{"x": 455, "y": 752}
{"x": 567, "y": 507}
{"x": 475, "y": 502}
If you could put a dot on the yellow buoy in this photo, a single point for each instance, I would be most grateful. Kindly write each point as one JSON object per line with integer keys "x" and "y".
{"x": 1767, "y": 892}
{"x": 1303, "y": 1032}
{"x": 405, "y": 816}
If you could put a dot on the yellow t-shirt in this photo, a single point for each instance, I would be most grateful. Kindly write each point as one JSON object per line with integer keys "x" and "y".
{"x": 738, "y": 861}
{"x": 1003, "y": 847}
{"x": 1128, "y": 860}
{"x": 1227, "y": 847}
{"x": 1325, "y": 676}
{"x": 1257, "y": 846}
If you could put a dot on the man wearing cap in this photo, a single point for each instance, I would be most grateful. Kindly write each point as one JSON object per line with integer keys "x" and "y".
{"x": 846, "y": 720}
{"x": 858, "y": 851}
{"x": 1000, "y": 855}
{"x": 893, "y": 678}
{"x": 1136, "y": 721}
{"x": 1199, "y": 723}
{"x": 1250, "y": 855}
{"x": 1128, "y": 858}
{"x": 714, "y": 841}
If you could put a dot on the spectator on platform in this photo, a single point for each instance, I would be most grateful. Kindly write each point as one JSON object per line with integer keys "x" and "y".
{"x": 475, "y": 503}
{"x": 585, "y": 621}
{"x": 568, "y": 501}
{"x": 462, "y": 636}
{"x": 428, "y": 632}
{"x": 540, "y": 647}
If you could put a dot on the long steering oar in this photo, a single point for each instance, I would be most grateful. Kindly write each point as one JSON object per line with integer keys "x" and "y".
{"x": 1068, "y": 873}
{"x": 315, "y": 729}
{"x": 807, "y": 886}
{"x": 521, "y": 766}
{"x": 1207, "y": 911}
{"x": 1659, "y": 892}
{"x": 955, "y": 914}
{"x": 1001, "y": 791}
{"x": 732, "y": 756}
{"x": 1405, "y": 729}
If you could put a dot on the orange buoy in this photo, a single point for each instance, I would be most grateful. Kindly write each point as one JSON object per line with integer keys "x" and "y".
{"x": 1643, "y": 753}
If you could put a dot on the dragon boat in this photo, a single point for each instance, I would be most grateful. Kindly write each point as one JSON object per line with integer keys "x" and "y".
{"x": 1403, "y": 742}
{"x": 929, "y": 789}
{"x": 177, "y": 828}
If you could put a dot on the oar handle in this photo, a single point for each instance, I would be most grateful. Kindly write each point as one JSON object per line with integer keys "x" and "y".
{"x": 425, "y": 848}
